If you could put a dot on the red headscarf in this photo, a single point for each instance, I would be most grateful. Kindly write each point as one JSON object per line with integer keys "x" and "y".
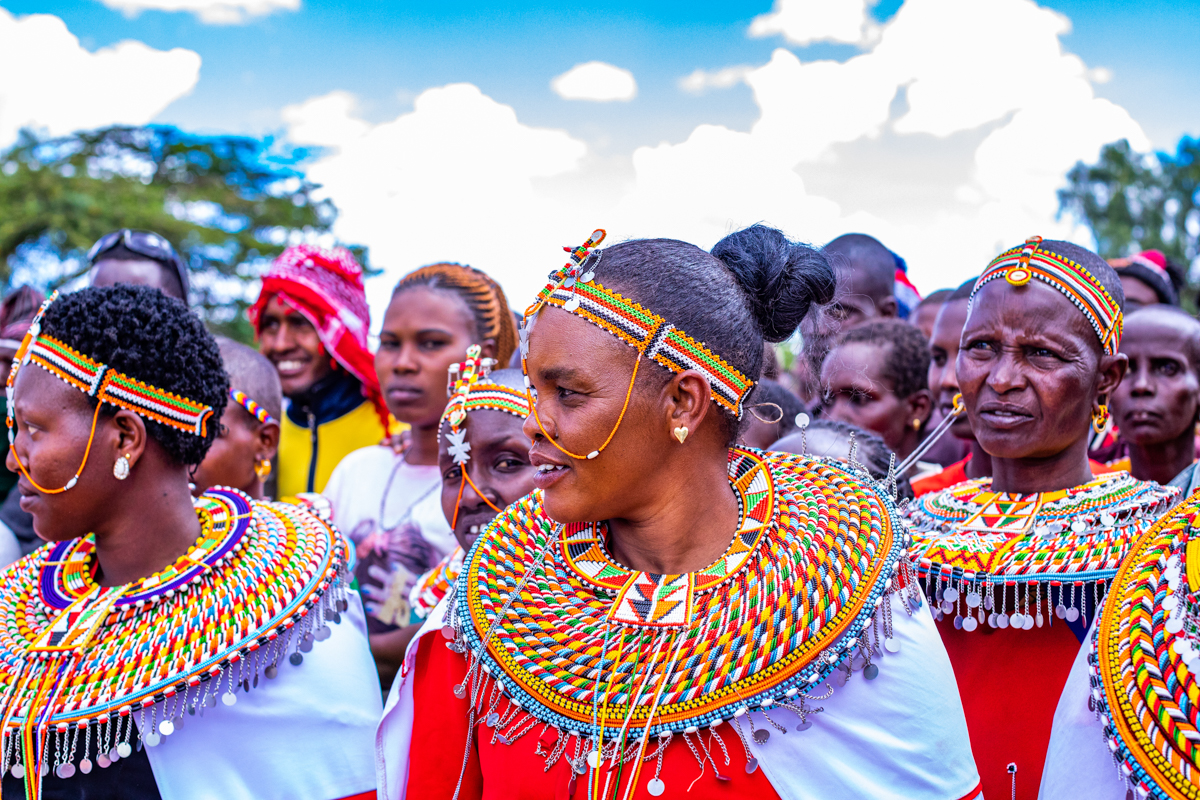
{"x": 326, "y": 287}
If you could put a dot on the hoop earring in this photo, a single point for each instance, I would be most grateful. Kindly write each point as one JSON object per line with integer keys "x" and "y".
{"x": 262, "y": 468}
{"x": 121, "y": 468}
{"x": 1100, "y": 418}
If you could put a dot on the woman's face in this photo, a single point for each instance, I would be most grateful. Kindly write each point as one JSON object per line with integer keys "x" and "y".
{"x": 424, "y": 332}
{"x": 53, "y": 421}
{"x": 581, "y": 374}
{"x": 857, "y": 392}
{"x": 1030, "y": 370}
{"x": 943, "y": 352}
{"x": 1157, "y": 400}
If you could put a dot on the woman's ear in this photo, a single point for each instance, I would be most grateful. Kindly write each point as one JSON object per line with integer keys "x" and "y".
{"x": 268, "y": 439}
{"x": 487, "y": 349}
{"x": 689, "y": 399}
{"x": 1111, "y": 370}
{"x": 129, "y": 435}
{"x": 920, "y": 406}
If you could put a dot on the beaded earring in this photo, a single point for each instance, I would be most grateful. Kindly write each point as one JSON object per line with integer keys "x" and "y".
{"x": 262, "y": 468}
{"x": 1100, "y": 418}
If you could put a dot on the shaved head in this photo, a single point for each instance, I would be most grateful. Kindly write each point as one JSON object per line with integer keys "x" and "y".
{"x": 864, "y": 265}
{"x": 251, "y": 372}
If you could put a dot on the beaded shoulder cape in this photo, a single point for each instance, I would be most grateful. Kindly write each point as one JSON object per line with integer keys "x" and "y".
{"x": 79, "y": 661}
{"x": 997, "y": 557}
{"x": 1145, "y": 659}
{"x": 559, "y": 635}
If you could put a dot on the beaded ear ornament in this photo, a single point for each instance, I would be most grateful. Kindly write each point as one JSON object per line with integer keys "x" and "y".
{"x": 101, "y": 382}
{"x": 470, "y": 390}
{"x": 1019, "y": 265}
{"x": 574, "y": 289}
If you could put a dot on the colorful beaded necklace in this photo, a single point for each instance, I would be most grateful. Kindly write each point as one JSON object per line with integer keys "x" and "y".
{"x": 997, "y": 557}
{"x": 1145, "y": 659}
{"x": 561, "y": 636}
{"x": 78, "y": 660}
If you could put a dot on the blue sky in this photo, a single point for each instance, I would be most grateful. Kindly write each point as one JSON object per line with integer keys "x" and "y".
{"x": 380, "y": 57}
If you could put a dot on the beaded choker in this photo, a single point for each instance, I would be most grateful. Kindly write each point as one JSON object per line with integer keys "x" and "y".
{"x": 1145, "y": 659}
{"x": 564, "y": 639}
{"x": 78, "y": 661}
{"x": 996, "y": 557}
{"x": 574, "y": 289}
{"x": 1029, "y": 262}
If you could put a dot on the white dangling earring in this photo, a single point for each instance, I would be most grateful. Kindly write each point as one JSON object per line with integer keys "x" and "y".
{"x": 121, "y": 468}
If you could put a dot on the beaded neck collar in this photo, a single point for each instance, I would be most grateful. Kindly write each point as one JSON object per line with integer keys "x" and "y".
{"x": 1144, "y": 659}
{"x": 975, "y": 547}
{"x": 559, "y": 635}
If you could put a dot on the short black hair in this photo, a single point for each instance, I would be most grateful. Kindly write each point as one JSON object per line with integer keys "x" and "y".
{"x": 251, "y": 372}
{"x": 143, "y": 333}
{"x": 755, "y": 286}
{"x": 939, "y": 297}
{"x": 873, "y": 265}
{"x": 1175, "y": 312}
{"x": 963, "y": 292}
{"x": 906, "y": 364}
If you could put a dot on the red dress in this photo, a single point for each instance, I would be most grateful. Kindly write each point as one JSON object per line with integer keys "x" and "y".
{"x": 517, "y": 772}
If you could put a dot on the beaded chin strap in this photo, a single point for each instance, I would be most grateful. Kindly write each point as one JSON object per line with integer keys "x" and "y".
{"x": 247, "y": 402}
{"x": 470, "y": 390}
{"x": 573, "y": 288}
{"x": 101, "y": 382}
{"x": 1029, "y": 262}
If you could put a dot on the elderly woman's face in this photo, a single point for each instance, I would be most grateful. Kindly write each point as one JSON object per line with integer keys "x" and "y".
{"x": 1028, "y": 370}
{"x": 581, "y": 374}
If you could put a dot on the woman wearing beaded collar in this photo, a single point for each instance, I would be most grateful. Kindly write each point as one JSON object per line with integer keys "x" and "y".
{"x": 727, "y": 596}
{"x": 1015, "y": 563}
{"x": 146, "y": 609}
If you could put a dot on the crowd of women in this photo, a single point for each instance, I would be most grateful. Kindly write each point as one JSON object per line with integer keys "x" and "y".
{"x": 617, "y": 544}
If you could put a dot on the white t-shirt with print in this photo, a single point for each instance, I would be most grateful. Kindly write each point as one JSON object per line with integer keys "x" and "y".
{"x": 411, "y": 539}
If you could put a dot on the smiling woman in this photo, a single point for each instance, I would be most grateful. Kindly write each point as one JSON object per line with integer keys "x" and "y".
{"x": 1026, "y": 553}
{"x": 109, "y": 644}
{"x": 661, "y": 603}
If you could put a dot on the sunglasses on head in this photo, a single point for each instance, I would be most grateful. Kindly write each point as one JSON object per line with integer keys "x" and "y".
{"x": 144, "y": 243}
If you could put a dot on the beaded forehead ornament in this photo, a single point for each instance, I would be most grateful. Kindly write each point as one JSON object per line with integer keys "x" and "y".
{"x": 247, "y": 402}
{"x": 574, "y": 289}
{"x": 1028, "y": 262}
{"x": 80, "y": 662}
{"x": 101, "y": 382}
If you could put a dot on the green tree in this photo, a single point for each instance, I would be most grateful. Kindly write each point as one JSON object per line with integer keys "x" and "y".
{"x": 1134, "y": 201}
{"x": 229, "y": 203}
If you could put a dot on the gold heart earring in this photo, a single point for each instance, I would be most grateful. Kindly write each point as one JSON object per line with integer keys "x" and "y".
{"x": 681, "y": 433}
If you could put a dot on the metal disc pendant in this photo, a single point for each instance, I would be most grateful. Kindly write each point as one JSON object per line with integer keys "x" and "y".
{"x": 958, "y": 623}
{"x": 871, "y": 672}
{"x": 914, "y": 601}
{"x": 124, "y": 750}
{"x": 493, "y": 719}
{"x": 152, "y": 739}
{"x": 102, "y": 761}
{"x": 891, "y": 645}
{"x": 85, "y": 766}
{"x": 229, "y": 698}
{"x": 1017, "y": 621}
{"x": 65, "y": 771}
{"x": 337, "y": 618}
{"x": 1002, "y": 621}
{"x": 593, "y": 758}
{"x": 572, "y": 304}
{"x": 166, "y": 727}
{"x": 973, "y": 599}
{"x": 950, "y": 595}
{"x": 947, "y": 607}
{"x": 271, "y": 672}
{"x": 1060, "y": 611}
{"x": 656, "y": 787}
{"x": 296, "y": 658}
{"x": 460, "y": 691}
{"x": 761, "y": 735}
{"x": 970, "y": 624}
{"x": 987, "y": 603}
{"x": 18, "y": 771}
{"x": 1071, "y": 614}
{"x": 448, "y": 633}
{"x": 323, "y": 633}
{"x": 805, "y": 724}
{"x": 306, "y": 644}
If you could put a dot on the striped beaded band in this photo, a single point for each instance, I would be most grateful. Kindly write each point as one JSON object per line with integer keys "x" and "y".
{"x": 1022, "y": 264}
{"x": 247, "y": 402}
{"x": 573, "y": 288}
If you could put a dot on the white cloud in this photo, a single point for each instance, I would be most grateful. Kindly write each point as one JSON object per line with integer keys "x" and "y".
{"x": 803, "y": 22}
{"x": 213, "y": 12}
{"x": 701, "y": 80}
{"x": 595, "y": 81}
{"x": 50, "y": 83}
{"x": 947, "y": 139}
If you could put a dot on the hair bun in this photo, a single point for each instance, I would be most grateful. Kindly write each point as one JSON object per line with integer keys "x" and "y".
{"x": 781, "y": 279}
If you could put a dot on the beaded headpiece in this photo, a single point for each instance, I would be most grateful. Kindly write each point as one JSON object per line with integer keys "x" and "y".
{"x": 1022, "y": 264}
{"x": 574, "y": 288}
{"x": 101, "y": 382}
{"x": 247, "y": 402}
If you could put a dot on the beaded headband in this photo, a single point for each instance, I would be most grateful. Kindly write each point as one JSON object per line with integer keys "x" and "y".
{"x": 247, "y": 402}
{"x": 1022, "y": 264}
{"x": 471, "y": 390}
{"x": 101, "y": 382}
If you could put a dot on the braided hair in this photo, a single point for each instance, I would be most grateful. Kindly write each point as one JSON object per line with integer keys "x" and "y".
{"x": 483, "y": 297}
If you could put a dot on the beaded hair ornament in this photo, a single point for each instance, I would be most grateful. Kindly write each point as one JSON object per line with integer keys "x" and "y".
{"x": 247, "y": 402}
{"x": 470, "y": 390}
{"x": 574, "y": 289}
{"x": 1028, "y": 262}
{"x": 101, "y": 382}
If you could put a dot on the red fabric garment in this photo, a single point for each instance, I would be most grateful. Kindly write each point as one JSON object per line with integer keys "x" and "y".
{"x": 516, "y": 772}
{"x": 956, "y": 473}
{"x": 326, "y": 286}
{"x": 1010, "y": 682}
